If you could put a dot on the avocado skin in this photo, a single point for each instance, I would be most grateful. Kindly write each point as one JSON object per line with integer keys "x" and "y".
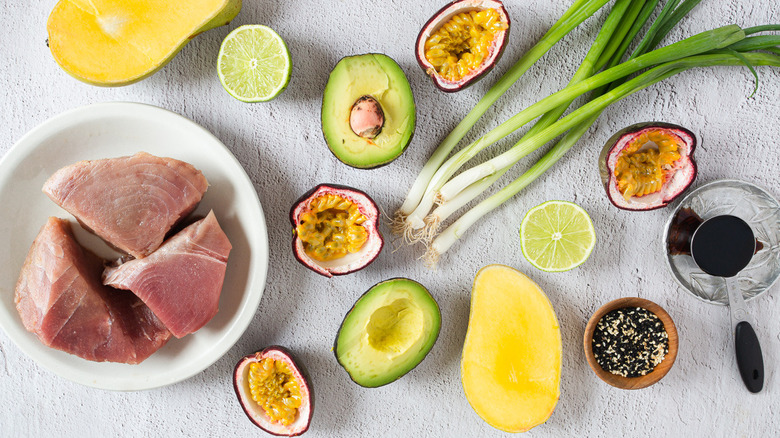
{"x": 403, "y": 148}
{"x": 376, "y": 166}
{"x": 352, "y": 309}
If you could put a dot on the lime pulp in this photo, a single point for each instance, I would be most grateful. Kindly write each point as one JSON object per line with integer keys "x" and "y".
{"x": 254, "y": 63}
{"x": 557, "y": 236}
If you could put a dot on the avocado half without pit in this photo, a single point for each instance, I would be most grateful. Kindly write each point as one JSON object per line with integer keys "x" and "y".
{"x": 388, "y": 332}
{"x": 647, "y": 165}
{"x": 274, "y": 392}
{"x": 368, "y": 111}
{"x": 335, "y": 230}
{"x": 462, "y": 42}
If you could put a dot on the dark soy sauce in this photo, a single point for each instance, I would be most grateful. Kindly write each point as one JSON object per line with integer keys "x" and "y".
{"x": 723, "y": 245}
{"x": 684, "y": 224}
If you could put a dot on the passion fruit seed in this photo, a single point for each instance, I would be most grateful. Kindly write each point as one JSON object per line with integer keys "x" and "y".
{"x": 275, "y": 389}
{"x": 643, "y": 166}
{"x": 461, "y": 44}
{"x": 366, "y": 117}
{"x": 331, "y": 228}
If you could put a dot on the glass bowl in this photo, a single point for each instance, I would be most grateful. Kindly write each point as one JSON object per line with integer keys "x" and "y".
{"x": 738, "y": 198}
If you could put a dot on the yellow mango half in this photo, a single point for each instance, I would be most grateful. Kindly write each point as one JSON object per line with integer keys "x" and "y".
{"x": 511, "y": 364}
{"x": 118, "y": 42}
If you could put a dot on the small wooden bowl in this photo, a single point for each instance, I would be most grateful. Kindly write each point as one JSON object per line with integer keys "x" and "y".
{"x": 631, "y": 382}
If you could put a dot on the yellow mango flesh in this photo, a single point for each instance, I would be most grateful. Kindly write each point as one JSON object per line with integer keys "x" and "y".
{"x": 511, "y": 364}
{"x": 118, "y": 42}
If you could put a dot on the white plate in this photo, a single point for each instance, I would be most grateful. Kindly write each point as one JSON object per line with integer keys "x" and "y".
{"x": 113, "y": 130}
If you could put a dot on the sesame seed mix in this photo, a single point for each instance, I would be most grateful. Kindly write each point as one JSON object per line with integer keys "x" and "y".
{"x": 630, "y": 342}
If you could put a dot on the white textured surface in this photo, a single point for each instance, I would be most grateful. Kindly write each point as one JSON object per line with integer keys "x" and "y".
{"x": 281, "y": 147}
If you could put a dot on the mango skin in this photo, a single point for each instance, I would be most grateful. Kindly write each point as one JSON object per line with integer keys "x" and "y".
{"x": 511, "y": 363}
{"x": 121, "y": 45}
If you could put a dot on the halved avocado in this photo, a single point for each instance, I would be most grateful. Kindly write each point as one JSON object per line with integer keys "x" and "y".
{"x": 388, "y": 332}
{"x": 368, "y": 91}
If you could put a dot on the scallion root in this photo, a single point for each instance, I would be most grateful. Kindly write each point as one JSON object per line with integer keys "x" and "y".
{"x": 398, "y": 223}
{"x": 431, "y": 228}
{"x": 430, "y": 258}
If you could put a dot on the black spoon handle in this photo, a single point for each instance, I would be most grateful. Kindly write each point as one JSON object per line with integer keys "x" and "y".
{"x": 749, "y": 358}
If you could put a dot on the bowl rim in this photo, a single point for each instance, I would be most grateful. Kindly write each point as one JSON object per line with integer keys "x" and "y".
{"x": 632, "y": 382}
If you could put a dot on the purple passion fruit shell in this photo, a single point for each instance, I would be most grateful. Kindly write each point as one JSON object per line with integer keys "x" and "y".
{"x": 356, "y": 258}
{"x": 485, "y": 54}
{"x": 255, "y": 412}
{"x": 640, "y": 173}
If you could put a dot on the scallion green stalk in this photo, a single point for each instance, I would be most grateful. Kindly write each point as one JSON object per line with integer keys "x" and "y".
{"x": 668, "y": 23}
{"x": 752, "y": 43}
{"x": 646, "y": 44}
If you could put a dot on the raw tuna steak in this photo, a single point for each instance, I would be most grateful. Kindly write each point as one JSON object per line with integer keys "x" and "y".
{"x": 60, "y": 298}
{"x": 130, "y": 202}
{"x": 181, "y": 282}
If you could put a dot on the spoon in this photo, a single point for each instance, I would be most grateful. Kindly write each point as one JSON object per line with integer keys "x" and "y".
{"x": 722, "y": 246}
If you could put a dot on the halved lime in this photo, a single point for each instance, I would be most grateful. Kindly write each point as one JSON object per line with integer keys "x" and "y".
{"x": 557, "y": 236}
{"x": 254, "y": 63}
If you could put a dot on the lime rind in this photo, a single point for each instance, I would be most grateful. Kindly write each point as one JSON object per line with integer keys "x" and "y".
{"x": 562, "y": 252}
{"x": 254, "y": 63}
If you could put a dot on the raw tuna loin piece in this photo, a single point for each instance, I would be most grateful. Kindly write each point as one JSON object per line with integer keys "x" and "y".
{"x": 60, "y": 298}
{"x": 182, "y": 281}
{"x": 130, "y": 202}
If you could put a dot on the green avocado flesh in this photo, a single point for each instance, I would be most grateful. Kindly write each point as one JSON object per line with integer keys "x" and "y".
{"x": 378, "y": 76}
{"x": 388, "y": 332}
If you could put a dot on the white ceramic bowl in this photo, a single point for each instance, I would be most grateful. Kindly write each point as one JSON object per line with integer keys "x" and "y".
{"x": 113, "y": 130}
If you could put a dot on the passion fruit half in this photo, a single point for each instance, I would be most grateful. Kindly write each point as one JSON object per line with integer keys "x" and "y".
{"x": 647, "y": 165}
{"x": 462, "y": 42}
{"x": 274, "y": 392}
{"x": 335, "y": 230}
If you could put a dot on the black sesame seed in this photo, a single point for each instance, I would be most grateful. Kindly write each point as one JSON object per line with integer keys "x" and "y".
{"x": 637, "y": 334}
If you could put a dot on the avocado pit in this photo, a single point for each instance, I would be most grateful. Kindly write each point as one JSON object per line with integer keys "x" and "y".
{"x": 366, "y": 117}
